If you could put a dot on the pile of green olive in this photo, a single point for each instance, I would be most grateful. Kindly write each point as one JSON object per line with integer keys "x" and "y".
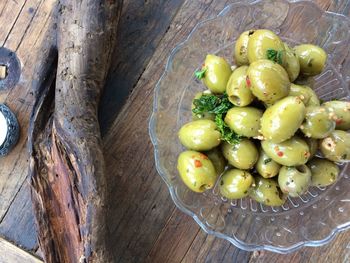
{"x": 255, "y": 131}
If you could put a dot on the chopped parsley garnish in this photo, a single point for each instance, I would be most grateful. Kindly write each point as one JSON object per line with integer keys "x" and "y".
{"x": 218, "y": 105}
{"x": 211, "y": 104}
{"x": 226, "y": 133}
{"x": 200, "y": 73}
{"x": 275, "y": 55}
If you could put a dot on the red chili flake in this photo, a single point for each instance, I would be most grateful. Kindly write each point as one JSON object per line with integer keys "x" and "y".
{"x": 339, "y": 121}
{"x": 203, "y": 156}
{"x": 197, "y": 163}
{"x": 280, "y": 154}
{"x": 247, "y": 80}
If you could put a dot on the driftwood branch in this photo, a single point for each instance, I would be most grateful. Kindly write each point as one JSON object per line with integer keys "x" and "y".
{"x": 66, "y": 160}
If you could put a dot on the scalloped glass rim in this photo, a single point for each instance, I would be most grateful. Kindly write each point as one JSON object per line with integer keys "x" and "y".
{"x": 152, "y": 131}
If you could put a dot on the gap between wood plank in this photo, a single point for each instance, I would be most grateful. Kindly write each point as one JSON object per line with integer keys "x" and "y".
{"x": 14, "y": 23}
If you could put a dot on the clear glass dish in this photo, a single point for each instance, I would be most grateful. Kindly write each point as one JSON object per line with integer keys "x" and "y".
{"x": 310, "y": 220}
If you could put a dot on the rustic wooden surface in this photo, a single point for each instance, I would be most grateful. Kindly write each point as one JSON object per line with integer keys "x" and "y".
{"x": 144, "y": 225}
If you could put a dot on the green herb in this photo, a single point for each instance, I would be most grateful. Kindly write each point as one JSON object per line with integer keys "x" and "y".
{"x": 219, "y": 106}
{"x": 226, "y": 133}
{"x": 200, "y": 73}
{"x": 266, "y": 161}
{"x": 211, "y": 104}
{"x": 274, "y": 55}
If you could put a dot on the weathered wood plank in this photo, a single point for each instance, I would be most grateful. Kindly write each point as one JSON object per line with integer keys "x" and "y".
{"x": 13, "y": 168}
{"x": 9, "y": 12}
{"x": 9, "y": 253}
{"x": 142, "y": 26}
{"x": 18, "y": 225}
{"x": 128, "y": 139}
{"x": 29, "y": 33}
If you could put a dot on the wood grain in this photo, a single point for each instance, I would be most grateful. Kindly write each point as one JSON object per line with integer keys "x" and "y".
{"x": 141, "y": 27}
{"x": 13, "y": 168}
{"x": 145, "y": 202}
{"x": 26, "y": 37}
{"x": 131, "y": 143}
{"x": 9, "y": 253}
{"x": 144, "y": 224}
{"x": 18, "y": 225}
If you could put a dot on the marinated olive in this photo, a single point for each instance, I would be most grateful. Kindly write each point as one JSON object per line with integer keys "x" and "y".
{"x": 238, "y": 92}
{"x": 268, "y": 81}
{"x": 244, "y": 121}
{"x": 216, "y": 73}
{"x": 291, "y": 65}
{"x": 294, "y": 180}
{"x": 196, "y": 171}
{"x": 234, "y": 184}
{"x": 313, "y": 146}
{"x": 318, "y": 123}
{"x": 267, "y": 192}
{"x": 218, "y": 160}
{"x": 313, "y": 101}
{"x": 292, "y": 152}
{"x": 301, "y": 92}
{"x": 241, "y": 48}
{"x": 323, "y": 172}
{"x": 204, "y": 115}
{"x": 312, "y": 59}
{"x": 280, "y": 121}
{"x": 336, "y": 147}
{"x": 341, "y": 109}
{"x": 265, "y": 166}
{"x": 242, "y": 155}
{"x": 263, "y": 41}
{"x": 200, "y": 135}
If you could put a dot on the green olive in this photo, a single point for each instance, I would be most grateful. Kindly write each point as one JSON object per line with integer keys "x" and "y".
{"x": 234, "y": 184}
{"x": 242, "y": 155}
{"x": 265, "y": 166}
{"x": 312, "y": 59}
{"x": 341, "y": 109}
{"x": 314, "y": 100}
{"x": 323, "y": 172}
{"x": 336, "y": 147}
{"x": 241, "y": 48}
{"x": 244, "y": 121}
{"x": 218, "y": 160}
{"x": 294, "y": 180}
{"x": 268, "y": 81}
{"x": 217, "y": 73}
{"x": 292, "y": 152}
{"x": 267, "y": 192}
{"x": 260, "y": 42}
{"x": 318, "y": 123}
{"x": 200, "y": 135}
{"x": 300, "y": 91}
{"x": 280, "y": 121}
{"x": 204, "y": 115}
{"x": 196, "y": 171}
{"x": 239, "y": 94}
{"x": 313, "y": 146}
{"x": 291, "y": 65}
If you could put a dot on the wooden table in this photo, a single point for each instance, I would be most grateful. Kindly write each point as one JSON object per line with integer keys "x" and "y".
{"x": 144, "y": 223}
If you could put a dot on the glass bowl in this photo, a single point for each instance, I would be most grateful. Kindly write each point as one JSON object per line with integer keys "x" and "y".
{"x": 309, "y": 220}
